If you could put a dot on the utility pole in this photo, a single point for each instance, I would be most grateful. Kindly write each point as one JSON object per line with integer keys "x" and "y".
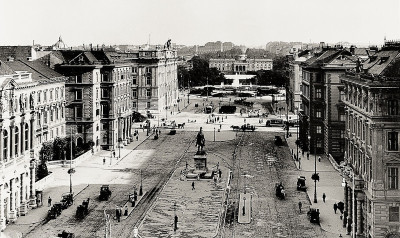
{"x": 70, "y": 167}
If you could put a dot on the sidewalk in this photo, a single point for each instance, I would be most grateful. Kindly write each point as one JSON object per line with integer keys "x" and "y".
{"x": 329, "y": 183}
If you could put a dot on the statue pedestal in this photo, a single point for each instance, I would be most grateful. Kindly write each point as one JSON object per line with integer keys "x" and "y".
{"x": 200, "y": 163}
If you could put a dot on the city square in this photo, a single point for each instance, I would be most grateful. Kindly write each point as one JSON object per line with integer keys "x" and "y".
{"x": 199, "y": 119}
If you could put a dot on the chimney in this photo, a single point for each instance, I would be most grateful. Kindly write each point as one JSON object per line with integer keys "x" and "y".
{"x": 352, "y": 49}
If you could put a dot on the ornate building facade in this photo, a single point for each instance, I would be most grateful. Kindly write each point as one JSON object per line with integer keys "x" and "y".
{"x": 322, "y": 113}
{"x": 155, "y": 81}
{"x": 240, "y": 65}
{"x": 30, "y": 113}
{"x": 371, "y": 98}
{"x": 99, "y": 100}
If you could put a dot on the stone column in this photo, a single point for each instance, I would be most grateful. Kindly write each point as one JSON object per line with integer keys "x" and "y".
{"x": 2, "y": 217}
{"x": 359, "y": 225}
{"x": 22, "y": 137}
{"x": 12, "y": 142}
{"x": 12, "y": 200}
{"x": 32, "y": 137}
{"x": 346, "y": 201}
{"x": 32, "y": 190}
{"x": 1, "y": 145}
{"x": 23, "y": 206}
{"x": 350, "y": 203}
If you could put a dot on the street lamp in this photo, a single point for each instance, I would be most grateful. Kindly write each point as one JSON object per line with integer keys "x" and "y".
{"x": 315, "y": 176}
{"x": 71, "y": 170}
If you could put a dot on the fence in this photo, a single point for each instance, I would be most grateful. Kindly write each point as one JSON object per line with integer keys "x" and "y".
{"x": 74, "y": 162}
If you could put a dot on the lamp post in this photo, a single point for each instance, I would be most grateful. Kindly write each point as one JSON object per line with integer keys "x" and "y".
{"x": 119, "y": 137}
{"x": 297, "y": 140}
{"x": 141, "y": 187}
{"x": 214, "y": 134}
{"x": 315, "y": 176}
{"x": 70, "y": 171}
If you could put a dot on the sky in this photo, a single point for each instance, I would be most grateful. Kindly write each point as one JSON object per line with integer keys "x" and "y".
{"x": 195, "y": 22}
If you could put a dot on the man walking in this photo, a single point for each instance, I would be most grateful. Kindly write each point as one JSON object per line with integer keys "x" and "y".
{"x": 335, "y": 207}
{"x": 49, "y": 201}
{"x": 323, "y": 197}
{"x": 193, "y": 185}
{"x": 300, "y": 205}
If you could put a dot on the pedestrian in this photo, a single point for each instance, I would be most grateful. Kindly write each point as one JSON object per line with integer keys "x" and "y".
{"x": 49, "y": 201}
{"x": 220, "y": 126}
{"x": 319, "y": 158}
{"x": 137, "y": 137}
{"x": 308, "y": 156}
{"x": 114, "y": 153}
{"x": 104, "y": 160}
{"x": 300, "y": 205}
{"x": 193, "y": 185}
{"x": 335, "y": 207}
{"x": 126, "y": 211}
{"x": 323, "y": 197}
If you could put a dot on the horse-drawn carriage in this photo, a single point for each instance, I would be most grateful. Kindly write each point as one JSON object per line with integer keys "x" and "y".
{"x": 280, "y": 191}
{"x": 67, "y": 199}
{"x": 54, "y": 211}
{"x": 313, "y": 215}
{"x": 82, "y": 210}
{"x": 105, "y": 192}
{"x": 301, "y": 183}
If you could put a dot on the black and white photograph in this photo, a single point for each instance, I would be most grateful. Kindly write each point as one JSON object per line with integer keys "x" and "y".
{"x": 199, "y": 119}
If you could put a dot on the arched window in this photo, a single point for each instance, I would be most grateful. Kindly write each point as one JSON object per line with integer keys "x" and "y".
{"x": 26, "y": 136}
{"x": 5, "y": 145}
{"x": 16, "y": 141}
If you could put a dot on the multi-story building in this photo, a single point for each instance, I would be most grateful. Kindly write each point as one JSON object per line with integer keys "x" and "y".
{"x": 30, "y": 94}
{"x": 295, "y": 79}
{"x": 99, "y": 110}
{"x": 371, "y": 98}
{"x": 211, "y": 47}
{"x": 240, "y": 65}
{"x": 155, "y": 81}
{"x": 322, "y": 112}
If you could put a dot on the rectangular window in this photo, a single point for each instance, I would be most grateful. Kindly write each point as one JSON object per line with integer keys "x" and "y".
{"x": 105, "y": 93}
{"x": 78, "y": 112}
{"x": 318, "y": 112}
{"x": 393, "y": 177}
{"x": 148, "y": 93}
{"x": 318, "y": 93}
{"x": 393, "y": 107}
{"x": 342, "y": 134}
{"x": 79, "y": 128}
{"x": 319, "y": 143}
{"x": 393, "y": 141}
{"x": 78, "y": 94}
{"x": 319, "y": 129}
{"x": 134, "y": 104}
{"x": 134, "y": 93}
{"x": 45, "y": 96}
{"x": 79, "y": 79}
{"x": 45, "y": 117}
{"x": 393, "y": 214}
{"x": 148, "y": 105}
{"x": 148, "y": 80}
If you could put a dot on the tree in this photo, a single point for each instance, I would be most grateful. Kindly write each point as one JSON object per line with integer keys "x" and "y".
{"x": 59, "y": 147}
{"x": 45, "y": 154}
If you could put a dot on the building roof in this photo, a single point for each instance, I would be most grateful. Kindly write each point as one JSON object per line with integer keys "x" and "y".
{"x": 5, "y": 69}
{"x": 16, "y": 52}
{"x": 39, "y": 70}
{"x": 378, "y": 64}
